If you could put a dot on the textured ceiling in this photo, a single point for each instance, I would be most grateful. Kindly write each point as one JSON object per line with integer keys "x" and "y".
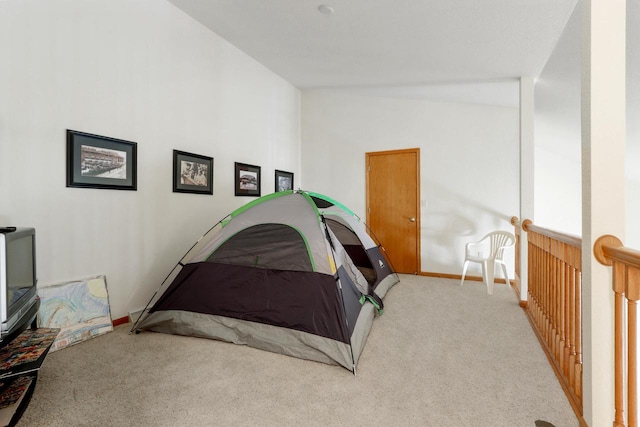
{"x": 389, "y": 43}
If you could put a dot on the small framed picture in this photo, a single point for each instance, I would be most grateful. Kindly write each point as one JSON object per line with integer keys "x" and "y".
{"x": 95, "y": 161}
{"x": 247, "y": 180}
{"x": 284, "y": 181}
{"x": 192, "y": 173}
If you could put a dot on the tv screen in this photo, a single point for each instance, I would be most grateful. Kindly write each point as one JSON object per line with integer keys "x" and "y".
{"x": 17, "y": 278}
{"x": 20, "y": 270}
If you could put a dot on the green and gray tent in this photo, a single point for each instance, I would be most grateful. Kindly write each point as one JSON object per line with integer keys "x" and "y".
{"x": 293, "y": 272}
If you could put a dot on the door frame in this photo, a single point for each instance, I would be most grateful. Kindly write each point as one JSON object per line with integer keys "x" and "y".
{"x": 368, "y": 155}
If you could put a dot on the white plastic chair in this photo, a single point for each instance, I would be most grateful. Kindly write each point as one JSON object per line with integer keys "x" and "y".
{"x": 489, "y": 251}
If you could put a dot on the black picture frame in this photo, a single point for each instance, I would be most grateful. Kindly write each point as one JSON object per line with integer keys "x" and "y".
{"x": 283, "y": 181}
{"x": 95, "y": 161}
{"x": 192, "y": 173}
{"x": 247, "y": 180}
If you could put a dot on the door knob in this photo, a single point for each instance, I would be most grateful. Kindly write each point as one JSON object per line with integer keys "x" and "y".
{"x": 412, "y": 219}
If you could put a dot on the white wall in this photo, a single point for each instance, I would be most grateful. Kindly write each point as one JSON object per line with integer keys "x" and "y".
{"x": 558, "y": 182}
{"x": 141, "y": 71}
{"x": 558, "y": 201}
{"x": 632, "y": 166}
{"x": 469, "y": 162}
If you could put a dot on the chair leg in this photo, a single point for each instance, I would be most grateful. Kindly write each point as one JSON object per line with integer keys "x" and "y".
{"x": 506, "y": 275}
{"x": 489, "y": 276}
{"x": 464, "y": 271}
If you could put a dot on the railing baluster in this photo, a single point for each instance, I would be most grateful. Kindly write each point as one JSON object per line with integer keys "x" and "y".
{"x": 619, "y": 357}
{"x": 578, "y": 328}
{"x": 572, "y": 324}
{"x": 565, "y": 312}
{"x": 632, "y": 291}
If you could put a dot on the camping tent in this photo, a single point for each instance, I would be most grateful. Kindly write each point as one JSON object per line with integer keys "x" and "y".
{"x": 293, "y": 272}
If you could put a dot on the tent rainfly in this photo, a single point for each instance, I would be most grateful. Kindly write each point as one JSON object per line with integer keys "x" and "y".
{"x": 293, "y": 272}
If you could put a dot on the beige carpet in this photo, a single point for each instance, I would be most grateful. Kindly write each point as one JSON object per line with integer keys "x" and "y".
{"x": 440, "y": 355}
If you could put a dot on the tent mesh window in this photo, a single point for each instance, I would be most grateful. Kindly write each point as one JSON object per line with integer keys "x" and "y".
{"x": 271, "y": 246}
{"x": 349, "y": 240}
{"x": 321, "y": 203}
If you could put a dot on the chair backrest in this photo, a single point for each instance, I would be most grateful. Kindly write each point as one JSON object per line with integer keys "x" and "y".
{"x": 500, "y": 240}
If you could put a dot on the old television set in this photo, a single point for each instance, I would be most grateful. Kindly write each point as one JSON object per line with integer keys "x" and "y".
{"x": 18, "y": 295}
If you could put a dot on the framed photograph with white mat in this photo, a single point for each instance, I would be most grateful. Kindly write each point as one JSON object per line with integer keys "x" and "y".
{"x": 284, "y": 181}
{"x": 247, "y": 180}
{"x": 192, "y": 173}
{"x": 95, "y": 161}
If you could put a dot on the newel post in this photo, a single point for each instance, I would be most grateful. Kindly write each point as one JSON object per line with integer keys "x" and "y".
{"x": 618, "y": 286}
{"x": 527, "y": 260}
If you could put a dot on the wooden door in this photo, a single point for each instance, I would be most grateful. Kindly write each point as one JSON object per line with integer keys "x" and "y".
{"x": 393, "y": 205}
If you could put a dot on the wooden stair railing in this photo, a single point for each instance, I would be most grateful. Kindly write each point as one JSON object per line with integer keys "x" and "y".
{"x": 610, "y": 251}
{"x": 554, "y": 303}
